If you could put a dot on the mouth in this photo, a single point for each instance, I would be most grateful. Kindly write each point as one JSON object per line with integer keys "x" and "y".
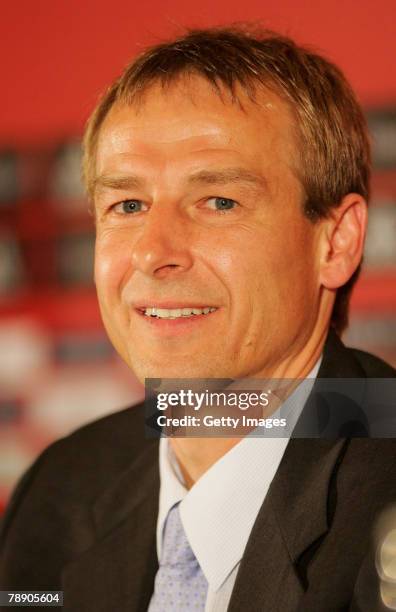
{"x": 176, "y": 313}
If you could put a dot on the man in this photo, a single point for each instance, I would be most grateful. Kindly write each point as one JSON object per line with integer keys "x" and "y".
{"x": 229, "y": 173}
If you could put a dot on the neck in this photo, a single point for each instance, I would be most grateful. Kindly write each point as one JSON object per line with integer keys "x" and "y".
{"x": 196, "y": 455}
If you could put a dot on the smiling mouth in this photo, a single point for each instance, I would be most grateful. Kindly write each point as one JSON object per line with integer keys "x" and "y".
{"x": 176, "y": 313}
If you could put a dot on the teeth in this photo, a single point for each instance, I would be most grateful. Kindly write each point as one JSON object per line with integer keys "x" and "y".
{"x": 175, "y": 313}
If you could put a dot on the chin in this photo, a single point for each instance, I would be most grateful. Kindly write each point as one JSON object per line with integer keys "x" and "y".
{"x": 143, "y": 370}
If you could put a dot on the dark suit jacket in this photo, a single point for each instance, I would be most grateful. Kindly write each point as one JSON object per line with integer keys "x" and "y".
{"x": 83, "y": 518}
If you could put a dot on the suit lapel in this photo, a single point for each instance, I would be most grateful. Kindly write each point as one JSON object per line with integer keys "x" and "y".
{"x": 118, "y": 571}
{"x": 297, "y": 512}
{"x": 292, "y": 520}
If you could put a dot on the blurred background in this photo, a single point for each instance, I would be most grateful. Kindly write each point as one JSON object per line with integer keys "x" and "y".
{"x": 57, "y": 368}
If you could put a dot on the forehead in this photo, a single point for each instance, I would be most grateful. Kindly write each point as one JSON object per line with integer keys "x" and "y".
{"x": 190, "y": 117}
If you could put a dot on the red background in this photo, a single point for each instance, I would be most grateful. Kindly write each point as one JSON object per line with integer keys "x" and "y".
{"x": 58, "y": 55}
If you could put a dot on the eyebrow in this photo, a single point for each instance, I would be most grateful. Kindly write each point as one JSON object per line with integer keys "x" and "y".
{"x": 226, "y": 176}
{"x": 126, "y": 182}
{"x": 223, "y": 176}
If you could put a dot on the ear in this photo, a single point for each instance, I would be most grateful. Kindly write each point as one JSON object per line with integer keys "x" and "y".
{"x": 343, "y": 241}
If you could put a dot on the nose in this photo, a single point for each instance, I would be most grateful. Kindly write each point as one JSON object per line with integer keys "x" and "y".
{"x": 162, "y": 247}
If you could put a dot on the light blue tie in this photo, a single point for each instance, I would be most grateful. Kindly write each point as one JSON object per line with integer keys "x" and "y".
{"x": 180, "y": 585}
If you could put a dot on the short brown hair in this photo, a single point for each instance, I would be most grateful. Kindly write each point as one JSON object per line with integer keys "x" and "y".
{"x": 331, "y": 127}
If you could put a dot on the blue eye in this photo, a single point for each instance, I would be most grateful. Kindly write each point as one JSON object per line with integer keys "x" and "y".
{"x": 222, "y": 203}
{"x": 129, "y": 206}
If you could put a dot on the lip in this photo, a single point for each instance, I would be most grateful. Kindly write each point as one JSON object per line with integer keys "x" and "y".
{"x": 171, "y": 305}
{"x": 173, "y": 327}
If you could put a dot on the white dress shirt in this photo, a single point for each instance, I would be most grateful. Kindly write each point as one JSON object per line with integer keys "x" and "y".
{"x": 219, "y": 511}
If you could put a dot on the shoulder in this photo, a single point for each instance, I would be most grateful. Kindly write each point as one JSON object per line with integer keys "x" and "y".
{"x": 111, "y": 440}
{"x": 60, "y": 491}
{"x": 102, "y": 447}
{"x": 373, "y": 366}
{"x": 340, "y": 361}
{"x": 73, "y": 471}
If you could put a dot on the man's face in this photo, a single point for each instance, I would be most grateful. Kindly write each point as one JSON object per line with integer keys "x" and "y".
{"x": 198, "y": 206}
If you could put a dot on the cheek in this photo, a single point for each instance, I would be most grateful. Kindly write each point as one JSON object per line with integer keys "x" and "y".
{"x": 112, "y": 263}
{"x": 276, "y": 269}
{"x": 293, "y": 266}
{"x": 223, "y": 261}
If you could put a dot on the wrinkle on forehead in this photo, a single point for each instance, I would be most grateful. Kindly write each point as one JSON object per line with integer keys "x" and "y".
{"x": 188, "y": 118}
{"x": 174, "y": 127}
{"x": 177, "y": 130}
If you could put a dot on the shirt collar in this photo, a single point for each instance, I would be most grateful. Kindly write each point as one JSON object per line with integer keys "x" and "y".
{"x": 219, "y": 511}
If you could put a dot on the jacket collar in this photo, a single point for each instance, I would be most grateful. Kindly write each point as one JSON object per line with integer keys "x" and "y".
{"x": 297, "y": 512}
{"x": 338, "y": 361}
{"x": 117, "y": 572}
